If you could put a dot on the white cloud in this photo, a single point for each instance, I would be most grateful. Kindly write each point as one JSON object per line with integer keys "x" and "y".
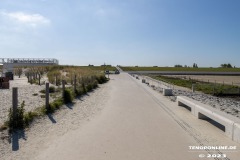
{"x": 28, "y": 19}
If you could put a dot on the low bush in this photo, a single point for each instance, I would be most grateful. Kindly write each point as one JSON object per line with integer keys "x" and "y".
{"x": 84, "y": 89}
{"x": 67, "y": 96}
{"x": 28, "y": 117}
{"x": 52, "y": 89}
{"x": 89, "y": 87}
{"x": 16, "y": 121}
{"x": 56, "y": 104}
{"x": 42, "y": 91}
{"x": 78, "y": 92}
{"x": 95, "y": 84}
{"x": 101, "y": 79}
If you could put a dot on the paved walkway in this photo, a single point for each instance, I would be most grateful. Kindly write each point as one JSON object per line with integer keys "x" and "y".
{"x": 133, "y": 126}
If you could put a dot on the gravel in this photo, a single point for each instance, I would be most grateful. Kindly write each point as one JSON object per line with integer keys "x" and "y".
{"x": 228, "y": 105}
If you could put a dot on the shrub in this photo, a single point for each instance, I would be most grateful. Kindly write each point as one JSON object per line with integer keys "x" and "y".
{"x": 57, "y": 103}
{"x": 28, "y": 118}
{"x": 67, "y": 96}
{"x": 16, "y": 122}
{"x": 101, "y": 79}
{"x": 84, "y": 89}
{"x": 95, "y": 84}
{"x": 42, "y": 91}
{"x": 78, "y": 92}
{"x": 52, "y": 89}
{"x": 89, "y": 87}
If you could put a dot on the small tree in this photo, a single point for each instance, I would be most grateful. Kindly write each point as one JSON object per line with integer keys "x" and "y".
{"x": 40, "y": 72}
{"x": 195, "y": 65}
{"x": 178, "y": 65}
{"x": 18, "y": 71}
{"x": 226, "y": 65}
{"x": 229, "y": 65}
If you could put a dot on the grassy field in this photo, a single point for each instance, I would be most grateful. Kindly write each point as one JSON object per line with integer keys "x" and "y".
{"x": 230, "y": 80}
{"x": 180, "y": 69}
{"x": 100, "y": 68}
{"x": 93, "y": 68}
{"x": 205, "y": 87}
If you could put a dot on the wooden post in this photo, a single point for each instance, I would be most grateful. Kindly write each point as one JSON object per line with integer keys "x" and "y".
{"x": 39, "y": 80}
{"x": 28, "y": 77}
{"x": 63, "y": 87}
{"x": 75, "y": 83}
{"x": 31, "y": 78}
{"x": 47, "y": 95}
{"x": 56, "y": 79}
{"x": 14, "y": 101}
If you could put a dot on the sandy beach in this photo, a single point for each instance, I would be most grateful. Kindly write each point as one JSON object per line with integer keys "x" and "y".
{"x": 45, "y": 129}
{"x": 26, "y": 93}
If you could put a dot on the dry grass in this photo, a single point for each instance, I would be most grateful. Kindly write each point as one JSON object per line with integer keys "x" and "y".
{"x": 230, "y": 80}
{"x": 180, "y": 69}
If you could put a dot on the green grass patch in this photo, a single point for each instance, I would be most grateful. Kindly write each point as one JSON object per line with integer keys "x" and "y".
{"x": 205, "y": 87}
{"x": 99, "y": 68}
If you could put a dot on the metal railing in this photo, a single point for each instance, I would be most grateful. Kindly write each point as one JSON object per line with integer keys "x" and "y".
{"x": 29, "y": 60}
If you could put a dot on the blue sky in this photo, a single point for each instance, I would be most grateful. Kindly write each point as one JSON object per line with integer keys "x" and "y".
{"x": 124, "y": 32}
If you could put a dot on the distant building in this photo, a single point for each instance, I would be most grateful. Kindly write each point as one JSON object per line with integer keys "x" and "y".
{"x": 8, "y": 64}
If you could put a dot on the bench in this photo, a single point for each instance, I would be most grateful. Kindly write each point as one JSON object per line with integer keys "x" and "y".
{"x": 228, "y": 123}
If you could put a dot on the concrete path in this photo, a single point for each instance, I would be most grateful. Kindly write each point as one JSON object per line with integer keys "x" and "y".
{"x": 133, "y": 126}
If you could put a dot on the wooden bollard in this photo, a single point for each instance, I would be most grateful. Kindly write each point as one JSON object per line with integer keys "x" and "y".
{"x": 63, "y": 87}
{"x": 75, "y": 83}
{"x": 47, "y": 95}
{"x": 14, "y": 101}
